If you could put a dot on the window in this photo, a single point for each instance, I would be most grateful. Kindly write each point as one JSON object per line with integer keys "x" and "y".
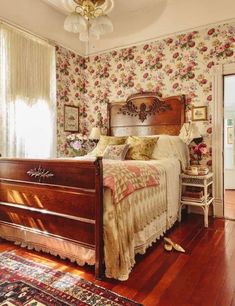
{"x": 30, "y": 128}
{"x": 27, "y": 95}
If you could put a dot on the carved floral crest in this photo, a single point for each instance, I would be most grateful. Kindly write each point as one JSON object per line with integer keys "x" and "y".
{"x": 143, "y": 111}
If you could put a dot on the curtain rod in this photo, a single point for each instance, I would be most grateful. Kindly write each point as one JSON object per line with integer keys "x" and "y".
{"x": 15, "y": 26}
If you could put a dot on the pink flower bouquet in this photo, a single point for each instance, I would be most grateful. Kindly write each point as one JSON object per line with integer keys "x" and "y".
{"x": 80, "y": 144}
{"x": 199, "y": 150}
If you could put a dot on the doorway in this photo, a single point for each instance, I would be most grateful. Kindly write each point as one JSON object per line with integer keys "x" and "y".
{"x": 229, "y": 146}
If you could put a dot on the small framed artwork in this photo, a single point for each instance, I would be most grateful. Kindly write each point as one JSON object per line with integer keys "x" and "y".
{"x": 230, "y": 135}
{"x": 71, "y": 118}
{"x": 199, "y": 113}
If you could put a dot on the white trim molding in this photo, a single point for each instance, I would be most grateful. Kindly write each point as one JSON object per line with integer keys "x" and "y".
{"x": 218, "y": 133}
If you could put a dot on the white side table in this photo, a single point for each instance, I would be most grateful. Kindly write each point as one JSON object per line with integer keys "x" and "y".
{"x": 202, "y": 181}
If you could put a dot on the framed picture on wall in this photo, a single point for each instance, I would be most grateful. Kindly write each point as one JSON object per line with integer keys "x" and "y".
{"x": 199, "y": 113}
{"x": 71, "y": 118}
{"x": 230, "y": 134}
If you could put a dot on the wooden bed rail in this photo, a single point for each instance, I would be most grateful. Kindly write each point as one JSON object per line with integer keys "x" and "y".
{"x": 62, "y": 197}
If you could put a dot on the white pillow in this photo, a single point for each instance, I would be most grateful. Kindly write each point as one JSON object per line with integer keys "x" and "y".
{"x": 171, "y": 146}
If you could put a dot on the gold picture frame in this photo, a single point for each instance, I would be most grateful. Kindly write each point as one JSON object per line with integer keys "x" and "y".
{"x": 230, "y": 134}
{"x": 71, "y": 118}
{"x": 199, "y": 113}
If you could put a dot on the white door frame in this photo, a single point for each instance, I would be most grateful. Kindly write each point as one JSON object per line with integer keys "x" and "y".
{"x": 217, "y": 133}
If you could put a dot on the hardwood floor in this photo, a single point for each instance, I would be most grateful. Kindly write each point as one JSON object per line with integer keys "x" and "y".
{"x": 203, "y": 276}
{"x": 229, "y": 204}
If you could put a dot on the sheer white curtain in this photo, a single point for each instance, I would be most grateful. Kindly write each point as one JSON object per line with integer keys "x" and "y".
{"x": 27, "y": 95}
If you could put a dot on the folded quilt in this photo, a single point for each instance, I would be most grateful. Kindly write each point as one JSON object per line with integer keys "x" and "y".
{"x": 124, "y": 177}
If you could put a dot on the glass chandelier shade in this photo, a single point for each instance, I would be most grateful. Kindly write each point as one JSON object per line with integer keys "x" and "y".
{"x": 102, "y": 25}
{"x": 75, "y": 23}
{"x": 89, "y": 19}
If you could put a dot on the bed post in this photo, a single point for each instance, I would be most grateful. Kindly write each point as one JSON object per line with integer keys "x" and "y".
{"x": 99, "y": 240}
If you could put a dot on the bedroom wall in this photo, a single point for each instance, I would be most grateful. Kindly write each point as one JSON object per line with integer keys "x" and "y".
{"x": 179, "y": 64}
{"x": 71, "y": 86}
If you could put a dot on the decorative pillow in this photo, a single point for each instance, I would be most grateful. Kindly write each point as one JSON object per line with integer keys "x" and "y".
{"x": 171, "y": 146}
{"x": 117, "y": 152}
{"x": 141, "y": 148}
{"x": 104, "y": 142}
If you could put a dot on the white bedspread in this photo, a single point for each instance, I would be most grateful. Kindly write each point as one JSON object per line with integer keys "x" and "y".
{"x": 140, "y": 219}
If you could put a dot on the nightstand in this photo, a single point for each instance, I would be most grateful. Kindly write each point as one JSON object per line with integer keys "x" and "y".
{"x": 197, "y": 190}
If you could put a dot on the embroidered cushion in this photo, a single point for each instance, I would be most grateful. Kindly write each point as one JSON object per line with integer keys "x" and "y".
{"x": 104, "y": 142}
{"x": 141, "y": 148}
{"x": 117, "y": 152}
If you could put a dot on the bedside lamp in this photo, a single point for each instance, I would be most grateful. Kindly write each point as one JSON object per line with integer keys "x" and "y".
{"x": 190, "y": 132}
{"x": 95, "y": 133}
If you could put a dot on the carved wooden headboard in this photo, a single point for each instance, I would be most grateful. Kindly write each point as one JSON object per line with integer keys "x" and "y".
{"x": 146, "y": 114}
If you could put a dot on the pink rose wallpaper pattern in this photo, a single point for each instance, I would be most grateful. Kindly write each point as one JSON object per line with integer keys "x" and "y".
{"x": 180, "y": 64}
{"x": 70, "y": 89}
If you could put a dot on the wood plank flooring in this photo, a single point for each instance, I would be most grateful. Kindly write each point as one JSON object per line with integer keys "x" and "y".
{"x": 229, "y": 204}
{"x": 203, "y": 276}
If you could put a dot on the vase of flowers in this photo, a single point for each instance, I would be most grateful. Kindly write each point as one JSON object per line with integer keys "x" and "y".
{"x": 198, "y": 152}
{"x": 80, "y": 143}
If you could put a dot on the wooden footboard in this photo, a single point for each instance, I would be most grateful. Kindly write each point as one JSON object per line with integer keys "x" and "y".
{"x": 61, "y": 197}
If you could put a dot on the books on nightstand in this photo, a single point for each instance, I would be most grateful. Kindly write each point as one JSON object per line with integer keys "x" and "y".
{"x": 190, "y": 199}
{"x": 193, "y": 194}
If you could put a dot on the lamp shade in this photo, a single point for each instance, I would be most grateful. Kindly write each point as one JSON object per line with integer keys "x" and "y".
{"x": 95, "y": 133}
{"x": 102, "y": 25}
{"x": 75, "y": 23}
{"x": 195, "y": 133}
{"x": 189, "y": 132}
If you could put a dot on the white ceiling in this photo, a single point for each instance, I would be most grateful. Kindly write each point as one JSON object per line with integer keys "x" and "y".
{"x": 135, "y": 21}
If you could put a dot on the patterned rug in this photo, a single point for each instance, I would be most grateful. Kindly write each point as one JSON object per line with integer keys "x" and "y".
{"x": 24, "y": 282}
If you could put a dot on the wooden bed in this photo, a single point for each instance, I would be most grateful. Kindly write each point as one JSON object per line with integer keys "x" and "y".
{"x": 63, "y": 198}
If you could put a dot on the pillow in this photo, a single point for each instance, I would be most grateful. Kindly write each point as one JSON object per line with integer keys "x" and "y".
{"x": 104, "y": 142}
{"x": 162, "y": 148}
{"x": 117, "y": 152}
{"x": 141, "y": 148}
{"x": 171, "y": 146}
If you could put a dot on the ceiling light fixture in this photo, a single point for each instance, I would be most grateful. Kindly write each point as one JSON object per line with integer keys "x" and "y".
{"x": 90, "y": 19}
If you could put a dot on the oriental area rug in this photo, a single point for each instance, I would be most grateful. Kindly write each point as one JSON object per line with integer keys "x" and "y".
{"x": 24, "y": 282}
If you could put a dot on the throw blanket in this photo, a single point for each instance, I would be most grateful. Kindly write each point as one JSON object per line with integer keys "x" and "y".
{"x": 124, "y": 177}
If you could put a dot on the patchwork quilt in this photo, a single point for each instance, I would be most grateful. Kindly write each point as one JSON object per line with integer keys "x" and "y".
{"x": 125, "y": 177}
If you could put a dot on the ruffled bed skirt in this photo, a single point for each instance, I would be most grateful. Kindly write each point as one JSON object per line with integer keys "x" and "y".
{"x": 35, "y": 240}
{"x": 78, "y": 254}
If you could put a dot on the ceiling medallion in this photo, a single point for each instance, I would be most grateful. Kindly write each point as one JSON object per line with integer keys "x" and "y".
{"x": 90, "y": 8}
{"x": 97, "y": 2}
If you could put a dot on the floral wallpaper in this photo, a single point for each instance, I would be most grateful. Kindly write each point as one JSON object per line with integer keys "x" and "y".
{"x": 179, "y": 64}
{"x": 71, "y": 86}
